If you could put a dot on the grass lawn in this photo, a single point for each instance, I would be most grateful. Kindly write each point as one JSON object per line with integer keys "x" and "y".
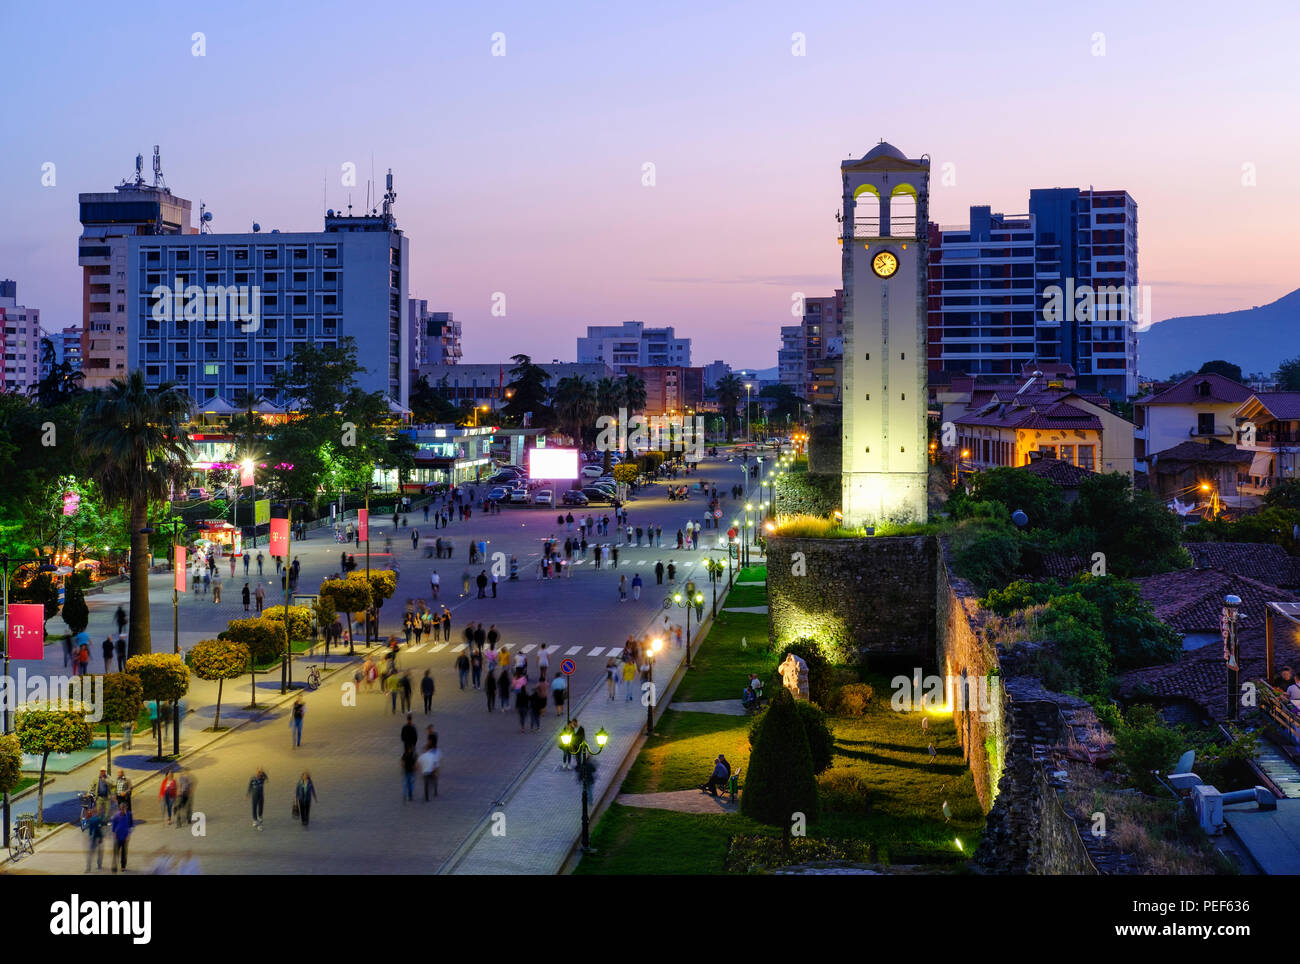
{"x": 745, "y": 596}
{"x": 888, "y": 751}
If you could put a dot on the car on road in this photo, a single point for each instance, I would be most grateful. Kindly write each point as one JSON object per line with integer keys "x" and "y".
{"x": 544, "y": 497}
{"x": 575, "y": 497}
{"x": 498, "y": 494}
{"x": 519, "y": 495}
{"x": 594, "y": 494}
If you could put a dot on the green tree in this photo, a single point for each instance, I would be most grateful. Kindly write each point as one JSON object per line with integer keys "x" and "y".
{"x": 42, "y": 732}
{"x": 730, "y": 389}
{"x": 264, "y": 639}
{"x": 576, "y": 406}
{"x": 786, "y": 405}
{"x": 11, "y": 763}
{"x": 780, "y": 782}
{"x": 123, "y": 701}
{"x": 634, "y": 393}
{"x": 164, "y": 678}
{"x": 1144, "y": 745}
{"x": 1288, "y": 375}
{"x": 1134, "y": 530}
{"x": 61, "y": 382}
{"x": 220, "y": 660}
{"x": 526, "y": 391}
{"x": 429, "y": 404}
{"x": 1016, "y": 489}
{"x": 350, "y": 595}
{"x": 821, "y": 740}
{"x": 134, "y": 435}
{"x": 76, "y": 614}
{"x": 1284, "y": 495}
{"x": 1220, "y": 367}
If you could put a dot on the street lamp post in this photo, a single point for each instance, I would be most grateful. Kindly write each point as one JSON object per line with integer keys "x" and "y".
{"x": 575, "y": 742}
{"x": 286, "y": 663}
{"x": 692, "y": 600}
{"x": 748, "y": 386}
{"x": 1231, "y": 604}
{"x": 5, "y": 562}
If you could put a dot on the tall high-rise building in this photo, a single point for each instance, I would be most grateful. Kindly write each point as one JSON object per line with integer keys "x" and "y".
{"x": 791, "y": 369}
{"x": 435, "y": 336}
{"x": 20, "y": 328}
{"x": 67, "y": 344}
{"x": 884, "y": 454}
{"x": 1058, "y": 284}
{"x": 220, "y": 313}
{"x": 670, "y": 388}
{"x": 823, "y": 321}
{"x": 134, "y": 208}
{"x": 714, "y": 372}
{"x": 633, "y": 344}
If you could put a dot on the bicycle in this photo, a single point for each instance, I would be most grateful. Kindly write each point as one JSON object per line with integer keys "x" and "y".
{"x": 313, "y": 678}
{"x": 87, "y": 800}
{"x": 23, "y": 838}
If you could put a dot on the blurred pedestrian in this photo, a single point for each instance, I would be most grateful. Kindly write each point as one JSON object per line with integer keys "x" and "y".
{"x": 257, "y": 794}
{"x": 121, "y": 832}
{"x": 426, "y": 690}
{"x": 304, "y": 794}
{"x": 430, "y": 760}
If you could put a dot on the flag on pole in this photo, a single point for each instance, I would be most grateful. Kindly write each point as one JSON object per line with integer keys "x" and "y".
{"x": 279, "y": 537}
{"x": 246, "y": 474}
{"x": 179, "y": 556}
{"x": 363, "y": 523}
{"x": 26, "y": 630}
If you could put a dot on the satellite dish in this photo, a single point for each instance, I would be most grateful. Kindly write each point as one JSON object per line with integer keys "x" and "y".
{"x": 207, "y": 215}
{"x": 1019, "y": 518}
{"x": 329, "y": 213}
{"x": 275, "y": 230}
{"x": 256, "y": 227}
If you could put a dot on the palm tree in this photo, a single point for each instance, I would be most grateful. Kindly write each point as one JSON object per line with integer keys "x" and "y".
{"x": 610, "y": 396}
{"x": 729, "y": 389}
{"x": 133, "y": 435}
{"x": 634, "y": 394}
{"x": 575, "y": 405}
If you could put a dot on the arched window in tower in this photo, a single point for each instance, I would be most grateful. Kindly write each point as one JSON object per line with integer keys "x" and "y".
{"x": 902, "y": 212}
{"x": 866, "y": 211}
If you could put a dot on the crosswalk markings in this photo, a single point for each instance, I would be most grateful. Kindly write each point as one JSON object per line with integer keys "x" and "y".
{"x": 458, "y": 647}
{"x": 572, "y": 649}
{"x": 529, "y": 648}
{"x": 597, "y": 651}
{"x": 439, "y": 648}
{"x": 415, "y": 649}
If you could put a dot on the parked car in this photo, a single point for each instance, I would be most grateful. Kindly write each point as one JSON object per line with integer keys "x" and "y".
{"x": 609, "y": 490}
{"x": 195, "y": 494}
{"x": 575, "y": 497}
{"x": 594, "y": 494}
{"x": 544, "y": 497}
{"x": 519, "y": 495}
{"x": 592, "y": 471}
{"x": 499, "y": 494}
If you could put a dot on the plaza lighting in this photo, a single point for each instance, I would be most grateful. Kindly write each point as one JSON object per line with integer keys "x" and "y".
{"x": 573, "y": 742}
{"x": 652, "y": 649}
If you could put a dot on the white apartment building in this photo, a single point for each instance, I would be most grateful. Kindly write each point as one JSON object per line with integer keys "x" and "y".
{"x": 632, "y": 344}
{"x": 21, "y": 327}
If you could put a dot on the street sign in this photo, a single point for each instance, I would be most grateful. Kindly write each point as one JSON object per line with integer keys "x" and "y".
{"x": 567, "y": 667}
{"x": 717, "y": 513}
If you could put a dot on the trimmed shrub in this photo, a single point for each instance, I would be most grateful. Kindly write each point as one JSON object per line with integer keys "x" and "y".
{"x": 841, "y": 790}
{"x": 1144, "y": 744}
{"x": 780, "y": 781}
{"x": 852, "y": 699}
{"x": 263, "y": 637}
{"x": 821, "y": 741}
{"x": 220, "y": 660}
{"x": 123, "y": 701}
{"x": 300, "y": 620}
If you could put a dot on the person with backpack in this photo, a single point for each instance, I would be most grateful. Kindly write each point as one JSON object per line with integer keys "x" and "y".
{"x": 295, "y": 720}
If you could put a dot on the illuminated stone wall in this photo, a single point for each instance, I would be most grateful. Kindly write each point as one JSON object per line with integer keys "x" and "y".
{"x": 868, "y": 595}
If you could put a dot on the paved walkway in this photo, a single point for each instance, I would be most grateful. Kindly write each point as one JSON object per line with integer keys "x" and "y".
{"x": 721, "y": 707}
{"x": 683, "y": 801}
{"x": 758, "y": 610}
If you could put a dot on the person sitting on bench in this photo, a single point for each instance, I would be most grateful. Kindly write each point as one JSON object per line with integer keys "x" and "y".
{"x": 721, "y": 776}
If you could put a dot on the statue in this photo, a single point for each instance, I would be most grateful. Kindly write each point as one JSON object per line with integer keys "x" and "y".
{"x": 794, "y": 676}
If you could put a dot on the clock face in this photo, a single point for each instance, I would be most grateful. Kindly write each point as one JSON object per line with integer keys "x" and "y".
{"x": 884, "y": 264}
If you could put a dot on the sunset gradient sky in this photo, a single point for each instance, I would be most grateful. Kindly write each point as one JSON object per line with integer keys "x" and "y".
{"x": 523, "y": 174}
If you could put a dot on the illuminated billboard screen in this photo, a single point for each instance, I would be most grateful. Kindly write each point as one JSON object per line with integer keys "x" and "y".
{"x": 552, "y": 463}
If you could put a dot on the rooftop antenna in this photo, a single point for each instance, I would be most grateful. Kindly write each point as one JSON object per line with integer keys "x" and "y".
{"x": 157, "y": 169}
{"x": 139, "y": 169}
{"x": 205, "y": 219}
{"x": 389, "y": 198}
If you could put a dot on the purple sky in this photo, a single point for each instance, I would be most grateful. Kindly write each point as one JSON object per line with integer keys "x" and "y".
{"x": 522, "y": 173}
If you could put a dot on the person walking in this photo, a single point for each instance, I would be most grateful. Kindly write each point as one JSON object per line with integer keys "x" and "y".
{"x": 636, "y": 586}
{"x": 629, "y": 677}
{"x": 245, "y": 596}
{"x": 296, "y": 714}
{"x": 393, "y": 687}
{"x": 120, "y": 647}
{"x": 303, "y": 795}
{"x": 446, "y": 624}
{"x": 409, "y": 764}
{"x": 543, "y": 662}
{"x": 435, "y": 584}
{"x": 426, "y": 690}
{"x": 559, "y": 687}
{"x": 611, "y": 677}
{"x": 464, "y": 582}
{"x": 259, "y": 565}
{"x": 659, "y": 573}
{"x": 537, "y": 706}
{"x": 119, "y": 618}
{"x": 121, "y": 824}
{"x": 521, "y": 705}
{"x": 495, "y": 579}
{"x": 622, "y": 588}
{"x": 430, "y": 760}
{"x": 476, "y": 667}
{"x": 261, "y": 596}
{"x": 216, "y": 588}
{"x": 490, "y": 685}
{"x": 108, "y": 653}
{"x": 95, "y": 842}
{"x": 123, "y": 788}
{"x": 167, "y": 792}
{"x": 462, "y": 666}
{"x": 503, "y": 690}
{"x": 247, "y": 559}
{"x": 405, "y": 688}
{"x": 257, "y": 794}
{"x": 613, "y": 554}
{"x": 482, "y": 582}
{"x": 185, "y": 798}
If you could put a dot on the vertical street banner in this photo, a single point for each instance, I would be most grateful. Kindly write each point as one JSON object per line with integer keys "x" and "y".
{"x": 363, "y": 523}
{"x": 26, "y": 631}
{"x": 245, "y": 475}
{"x": 178, "y": 553}
{"x": 279, "y": 537}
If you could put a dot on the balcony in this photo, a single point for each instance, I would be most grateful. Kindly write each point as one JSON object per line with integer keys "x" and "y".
{"x": 1218, "y": 431}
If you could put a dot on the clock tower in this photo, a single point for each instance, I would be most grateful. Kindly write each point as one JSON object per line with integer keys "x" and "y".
{"x": 885, "y": 222}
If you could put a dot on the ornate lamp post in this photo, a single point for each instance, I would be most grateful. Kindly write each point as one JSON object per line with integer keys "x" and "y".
{"x": 1231, "y": 654}
{"x": 652, "y": 650}
{"x": 575, "y": 742}
{"x": 692, "y": 599}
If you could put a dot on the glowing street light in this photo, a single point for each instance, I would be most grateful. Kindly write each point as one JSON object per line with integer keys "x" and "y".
{"x": 574, "y": 741}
